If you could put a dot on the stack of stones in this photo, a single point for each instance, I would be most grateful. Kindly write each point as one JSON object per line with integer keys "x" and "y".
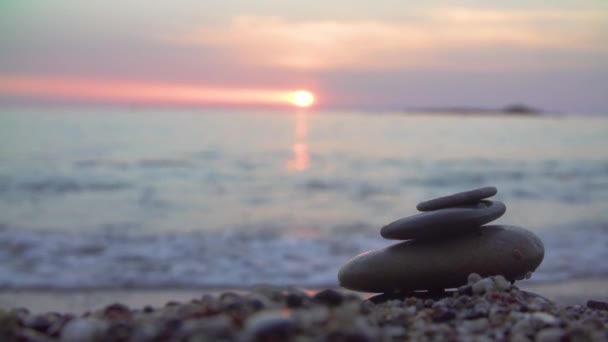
{"x": 443, "y": 245}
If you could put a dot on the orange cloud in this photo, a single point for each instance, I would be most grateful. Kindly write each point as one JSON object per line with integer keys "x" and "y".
{"x": 374, "y": 44}
{"x": 122, "y": 91}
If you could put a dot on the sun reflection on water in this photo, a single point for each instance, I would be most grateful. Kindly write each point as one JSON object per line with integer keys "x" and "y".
{"x": 300, "y": 160}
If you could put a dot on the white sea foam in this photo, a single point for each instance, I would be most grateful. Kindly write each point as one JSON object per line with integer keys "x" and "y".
{"x": 68, "y": 260}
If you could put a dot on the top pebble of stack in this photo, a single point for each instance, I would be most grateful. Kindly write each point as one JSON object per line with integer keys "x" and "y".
{"x": 458, "y": 199}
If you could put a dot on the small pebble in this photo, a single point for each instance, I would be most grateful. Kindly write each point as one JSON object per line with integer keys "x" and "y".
{"x": 597, "y": 305}
{"x": 117, "y": 312}
{"x": 473, "y": 278}
{"x": 83, "y": 329}
{"x": 294, "y": 300}
{"x": 39, "y": 323}
{"x": 269, "y": 326}
{"x": 442, "y": 315}
{"x": 482, "y": 286}
{"x": 544, "y": 317}
{"x": 501, "y": 283}
{"x": 329, "y": 297}
{"x": 549, "y": 335}
{"x": 118, "y": 332}
{"x": 347, "y": 336}
{"x": 255, "y": 304}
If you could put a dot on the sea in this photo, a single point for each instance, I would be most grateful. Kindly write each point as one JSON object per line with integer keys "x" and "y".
{"x": 153, "y": 198}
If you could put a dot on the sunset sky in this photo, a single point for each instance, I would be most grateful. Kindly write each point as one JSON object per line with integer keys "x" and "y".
{"x": 377, "y": 55}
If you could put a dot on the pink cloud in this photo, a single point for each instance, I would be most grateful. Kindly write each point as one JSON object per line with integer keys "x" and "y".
{"x": 374, "y": 44}
{"x": 138, "y": 92}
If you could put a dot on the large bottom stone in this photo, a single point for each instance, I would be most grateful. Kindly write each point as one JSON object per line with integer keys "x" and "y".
{"x": 439, "y": 264}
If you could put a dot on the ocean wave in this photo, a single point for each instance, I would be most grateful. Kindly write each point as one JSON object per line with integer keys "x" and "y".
{"x": 583, "y": 180}
{"x": 112, "y": 260}
{"x": 145, "y": 163}
{"x": 59, "y": 185}
{"x": 55, "y": 260}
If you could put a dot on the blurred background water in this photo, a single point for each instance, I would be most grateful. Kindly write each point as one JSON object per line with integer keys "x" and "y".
{"x": 151, "y": 198}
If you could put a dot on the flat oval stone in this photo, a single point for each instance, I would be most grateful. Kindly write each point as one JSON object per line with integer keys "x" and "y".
{"x": 444, "y": 222}
{"x": 430, "y": 265}
{"x": 457, "y": 199}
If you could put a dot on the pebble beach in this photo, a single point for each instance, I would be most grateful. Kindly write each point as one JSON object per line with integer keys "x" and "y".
{"x": 166, "y": 262}
{"x": 486, "y": 309}
{"x": 277, "y": 171}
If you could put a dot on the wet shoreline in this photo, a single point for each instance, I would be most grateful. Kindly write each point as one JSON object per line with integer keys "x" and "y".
{"x": 264, "y": 313}
{"x": 567, "y": 292}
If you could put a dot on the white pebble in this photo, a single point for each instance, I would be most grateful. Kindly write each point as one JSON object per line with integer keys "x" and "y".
{"x": 544, "y": 317}
{"x": 265, "y": 321}
{"x": 482, "y": 286}
{"x": 500, "y": 283}
{"x": 83, "y": 329}
{"x": 473, "y": 278}
{"x": 475, "y": 326}
{"x": 549, "y": 335}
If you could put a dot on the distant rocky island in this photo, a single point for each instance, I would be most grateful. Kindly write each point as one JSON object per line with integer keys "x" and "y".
{"x": 512, "y": 109}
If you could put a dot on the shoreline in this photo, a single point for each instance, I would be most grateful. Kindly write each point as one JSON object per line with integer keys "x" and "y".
{"x": 571, "y": 291}
{"x": 78, "y": 301}
{"x": 484, "y": 309}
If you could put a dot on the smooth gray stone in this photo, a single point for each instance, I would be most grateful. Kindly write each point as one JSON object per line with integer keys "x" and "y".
{"x": 431, "y": 265}
{"x": 444, "y": 222}
{"x": 457, "y": 199}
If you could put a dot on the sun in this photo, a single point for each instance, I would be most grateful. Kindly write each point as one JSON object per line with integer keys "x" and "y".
{"x": 302, "y": 98}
